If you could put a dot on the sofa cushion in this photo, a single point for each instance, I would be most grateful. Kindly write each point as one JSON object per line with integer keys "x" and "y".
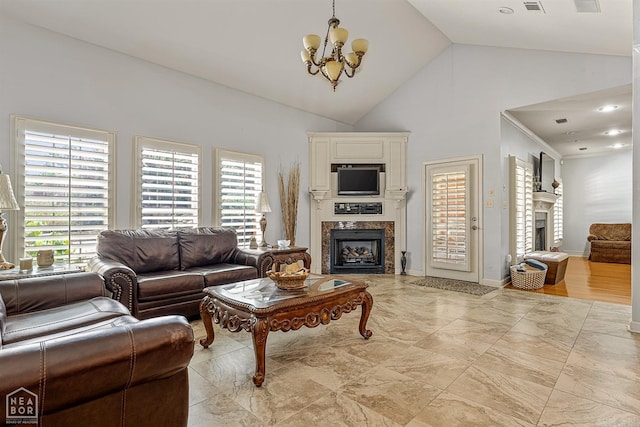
{"x": 168, "y": 284}
{"x": 611, "y": 231}
{"x": 611, "y": 244}
{"x": 206, "y": 246}
{"x": 95, "y": 326}
{"x": 221, "y": 274}
{"x": 21, "y": 327}
{"x": 141, "y": 250}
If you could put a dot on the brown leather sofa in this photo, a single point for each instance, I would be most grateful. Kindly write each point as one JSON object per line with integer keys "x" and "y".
{"x": 610, "y": 243}
{"x": 78, "y": 358}
{"x": 158, "y": 272}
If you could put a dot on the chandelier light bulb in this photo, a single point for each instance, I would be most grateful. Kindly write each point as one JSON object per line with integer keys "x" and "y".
{"x": 338, "y": 35}
{"x": 360, "y": 45}
{"x": 334, "y": 69}
{"x": 311, "y": 42}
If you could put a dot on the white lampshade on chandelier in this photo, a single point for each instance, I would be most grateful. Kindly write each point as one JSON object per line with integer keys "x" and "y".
{"x": 332, "y": 65}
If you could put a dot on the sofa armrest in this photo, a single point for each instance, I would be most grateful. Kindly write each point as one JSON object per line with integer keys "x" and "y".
{"x": 119, "y": 279}
{"x": 245, "y": 257}
{"x": 592, "y": 237}
{"x": 81, "y": 368}
{"x": 40, "y": 293}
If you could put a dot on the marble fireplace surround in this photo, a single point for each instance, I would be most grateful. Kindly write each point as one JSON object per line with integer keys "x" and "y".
{"x": 389, "y": 240}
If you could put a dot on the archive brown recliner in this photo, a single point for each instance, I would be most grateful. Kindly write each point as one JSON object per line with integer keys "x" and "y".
{"x": 70, "y": 356}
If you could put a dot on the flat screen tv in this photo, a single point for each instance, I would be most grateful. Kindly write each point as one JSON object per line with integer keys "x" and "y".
{"x": 357, "y": 181}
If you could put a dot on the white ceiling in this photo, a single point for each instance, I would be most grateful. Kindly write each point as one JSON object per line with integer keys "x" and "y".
{"x": 254, "y": 45}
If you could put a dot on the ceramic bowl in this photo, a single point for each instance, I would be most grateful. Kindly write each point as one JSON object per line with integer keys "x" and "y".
{"x": 282, "y": 244}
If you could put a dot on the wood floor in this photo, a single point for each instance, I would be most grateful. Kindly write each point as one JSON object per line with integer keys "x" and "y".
{"x": 595, "y": 281}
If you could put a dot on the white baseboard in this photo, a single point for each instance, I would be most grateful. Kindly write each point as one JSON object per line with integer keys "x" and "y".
{"x": 494, "y": 283}
{"x": 634, "y": 327}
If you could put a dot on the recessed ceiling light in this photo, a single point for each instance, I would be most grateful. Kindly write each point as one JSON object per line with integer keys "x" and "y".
{"x": 607, "y": 108}
{"x": 505, "y": 10}
{"x": 613, "y": 132}
{"x": 617, "y": 145}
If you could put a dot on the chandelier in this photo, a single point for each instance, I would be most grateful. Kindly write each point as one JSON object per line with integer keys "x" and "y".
{"x": 332, "y": 65}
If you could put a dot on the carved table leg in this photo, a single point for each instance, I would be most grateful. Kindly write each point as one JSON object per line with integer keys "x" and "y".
{"x": 259, "y": 332}
{"x": 367, "y": 304}
{"x": 206, "y": 315}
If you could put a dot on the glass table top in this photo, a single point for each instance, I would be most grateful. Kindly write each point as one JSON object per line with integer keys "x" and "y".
{"x": 261, "y": 292}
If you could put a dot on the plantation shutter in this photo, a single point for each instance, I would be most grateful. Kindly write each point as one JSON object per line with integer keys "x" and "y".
{"x": 450, "y": 218}
{"x": 239, "y": 185}
{"x": 65, "y": 188}
{"x": 558, "y": 217}
{"x": 168, "y": 190}
{"x": 521, "y": 207}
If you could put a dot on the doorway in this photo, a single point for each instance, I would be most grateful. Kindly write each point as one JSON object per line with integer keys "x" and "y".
{"x": 453, "y": 220}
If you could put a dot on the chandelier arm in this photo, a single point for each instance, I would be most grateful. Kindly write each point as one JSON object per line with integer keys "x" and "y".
{"x": 346, "y": 71}
{"x": 312, "y": 72}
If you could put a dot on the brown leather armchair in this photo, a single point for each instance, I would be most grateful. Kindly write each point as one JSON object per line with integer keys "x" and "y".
{"x": 81, "y": 359}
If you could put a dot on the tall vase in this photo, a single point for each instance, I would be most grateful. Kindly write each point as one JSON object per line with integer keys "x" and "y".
{"x": 403, "y": 263}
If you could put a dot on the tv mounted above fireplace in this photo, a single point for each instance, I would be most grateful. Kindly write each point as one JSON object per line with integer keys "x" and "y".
{"x": 358, "y": 181}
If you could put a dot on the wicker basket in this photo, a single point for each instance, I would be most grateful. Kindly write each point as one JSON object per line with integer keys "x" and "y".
{"x": 288, "y": 281}
{"x": 532, "y": 278}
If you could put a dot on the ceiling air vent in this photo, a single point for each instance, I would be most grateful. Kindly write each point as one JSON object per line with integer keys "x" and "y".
{"x": 534, "y": 6}
{"x": 559, "y": 121}
{"x": 587, "y": 6}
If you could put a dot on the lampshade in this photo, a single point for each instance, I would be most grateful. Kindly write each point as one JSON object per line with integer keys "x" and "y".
{"x": 7, "y": 199}
{"x": 263, "y": 203}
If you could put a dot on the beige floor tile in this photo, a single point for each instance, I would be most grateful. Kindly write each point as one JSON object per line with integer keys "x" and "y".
{"x": 564, "y": 409}
{"x": 450, "y": 410}
{"x": 333, "y": 410}
{"x": 431, "y": 368}
{"x": 603, "y": 388}
{"x": 528, "y": 367}
{"x": 503, "y": 392}
{"x": 393, "y": 395}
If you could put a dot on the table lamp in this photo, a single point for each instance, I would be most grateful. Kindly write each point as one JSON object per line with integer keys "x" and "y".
{"x": 263, "y": 207}
{"x": 7, "y": 203}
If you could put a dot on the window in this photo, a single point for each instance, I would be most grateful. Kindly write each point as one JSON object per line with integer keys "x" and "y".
{"x": 558, "y": 216}
{"x": 450, "y": 217}
{"x": 238, "y": 185}
{"x": 521, "y": 221}
{"x": 167, "y": 190}
{"x": 64, "y": 183}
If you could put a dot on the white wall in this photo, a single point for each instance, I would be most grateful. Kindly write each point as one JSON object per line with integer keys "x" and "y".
{"x": 49, "y": 76}
{"x": 596, "y": 189}
{"x": 452, "y": 108}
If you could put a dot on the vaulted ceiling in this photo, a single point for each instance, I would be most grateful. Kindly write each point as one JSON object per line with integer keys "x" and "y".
{"x": 254, "y": 45}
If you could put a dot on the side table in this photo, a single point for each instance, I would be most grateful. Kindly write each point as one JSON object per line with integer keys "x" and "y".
{"x": 267, "y": 256}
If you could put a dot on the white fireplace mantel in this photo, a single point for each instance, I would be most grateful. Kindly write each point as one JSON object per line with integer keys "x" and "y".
{"x": 331, "y": 148}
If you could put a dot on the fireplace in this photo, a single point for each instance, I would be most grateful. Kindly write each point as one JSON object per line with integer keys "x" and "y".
{"x": 357, "y": 251}
{"x": 540, "y": 224}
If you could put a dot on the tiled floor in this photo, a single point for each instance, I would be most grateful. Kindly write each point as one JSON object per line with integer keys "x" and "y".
{"x": 436, "y": 358}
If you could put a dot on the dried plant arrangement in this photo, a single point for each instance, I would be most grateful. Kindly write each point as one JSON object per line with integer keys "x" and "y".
{"x": 289, "y": 193}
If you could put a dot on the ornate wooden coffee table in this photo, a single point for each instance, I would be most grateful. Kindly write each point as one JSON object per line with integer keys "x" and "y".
{"x": 258, "y": 306}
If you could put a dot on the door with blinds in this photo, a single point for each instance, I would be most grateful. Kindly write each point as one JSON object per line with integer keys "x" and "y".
{"x": 452, "y": 219}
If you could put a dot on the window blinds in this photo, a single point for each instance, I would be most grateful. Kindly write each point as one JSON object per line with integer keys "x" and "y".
{"x": 168, "y": 184}
{"x": 240, "y": 182}
{"x": 66, "y": 181}
{"x": 522, "y": 207}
